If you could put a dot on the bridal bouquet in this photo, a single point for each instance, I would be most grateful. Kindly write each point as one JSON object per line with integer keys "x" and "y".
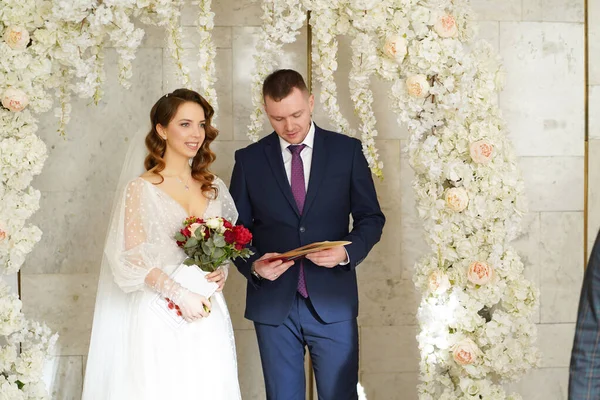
{"x": 208, "y": 244}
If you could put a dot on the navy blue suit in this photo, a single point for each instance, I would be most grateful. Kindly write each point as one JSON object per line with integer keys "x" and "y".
{"x": 340, "y": 185}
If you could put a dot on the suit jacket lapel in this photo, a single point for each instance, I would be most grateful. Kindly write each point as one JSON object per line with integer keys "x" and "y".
{"x": 317, "y": 169}
{"x": 273, "y": 153}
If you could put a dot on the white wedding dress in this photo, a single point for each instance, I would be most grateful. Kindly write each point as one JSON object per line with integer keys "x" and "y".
{"x": 134, "y": 354}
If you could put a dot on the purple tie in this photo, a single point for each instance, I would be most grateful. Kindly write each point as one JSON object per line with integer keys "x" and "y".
{"x": 299, "y": 192}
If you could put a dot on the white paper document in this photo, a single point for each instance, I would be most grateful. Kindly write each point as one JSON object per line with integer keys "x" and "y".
{"x": 193, "y": 279}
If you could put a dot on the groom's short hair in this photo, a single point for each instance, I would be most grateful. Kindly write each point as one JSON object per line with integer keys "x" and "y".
{"x": 279, "y": 84}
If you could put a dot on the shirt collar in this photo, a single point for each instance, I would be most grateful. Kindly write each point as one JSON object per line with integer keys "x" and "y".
{"x": 309, "y": 140}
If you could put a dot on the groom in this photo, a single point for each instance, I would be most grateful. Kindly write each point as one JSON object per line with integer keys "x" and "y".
{"x": 297, "y": 186}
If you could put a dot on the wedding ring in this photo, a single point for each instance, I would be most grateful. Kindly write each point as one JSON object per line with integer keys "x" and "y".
{"x": 275, "y": 275}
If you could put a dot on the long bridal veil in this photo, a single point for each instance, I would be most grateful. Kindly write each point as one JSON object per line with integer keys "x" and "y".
{"x": 112, "y": 320}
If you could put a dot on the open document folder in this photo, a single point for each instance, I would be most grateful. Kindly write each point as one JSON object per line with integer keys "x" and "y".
{"x": 304, "y": 250}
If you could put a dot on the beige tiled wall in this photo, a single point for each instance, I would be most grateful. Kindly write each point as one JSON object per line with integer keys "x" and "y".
{"x": 541, "y": 42}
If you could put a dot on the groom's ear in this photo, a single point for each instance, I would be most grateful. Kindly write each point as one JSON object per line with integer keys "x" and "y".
{"x": 311, "y": 102}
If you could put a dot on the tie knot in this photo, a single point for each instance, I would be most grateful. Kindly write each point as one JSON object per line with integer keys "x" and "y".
{"x": 296, "y": 149}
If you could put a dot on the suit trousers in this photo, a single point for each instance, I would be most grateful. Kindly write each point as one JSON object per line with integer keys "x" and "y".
{"x": 333, "y": 349}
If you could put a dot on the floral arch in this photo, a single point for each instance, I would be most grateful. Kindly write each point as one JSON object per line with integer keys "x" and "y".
{"x": 475, "y": 315}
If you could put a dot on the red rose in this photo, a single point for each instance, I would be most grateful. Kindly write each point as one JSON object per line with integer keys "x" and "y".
{"x": 242, "y": 235}
{"x": 180, "y": 244}
{"x": 238, "y": 246}
{"x": 186, "y": 232}
{"x": 199, "y": 221}
{"x": 206, "y": 233}
{"x": 229, "y": 236}
{"x": 227, "y": 224}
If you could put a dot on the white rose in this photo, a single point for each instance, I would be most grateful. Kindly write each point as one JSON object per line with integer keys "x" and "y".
{"x": 457, "y": 199}
{"x": 481, "y": 151}
{"x": 417, "y": 86}
{"x": 14, "y": 99}
{"x": 469, "y": 387}
{"x": 214, "y": 223}
{"x": 193, "y": 227}
{"x": 446, "y": 26}
{"x": 16, "y": 37}
{"x": 465, "y": 352}
{"x": 439, "y": 282}
{"x": 480, "y": 273}
{"x": 395, "y": 47}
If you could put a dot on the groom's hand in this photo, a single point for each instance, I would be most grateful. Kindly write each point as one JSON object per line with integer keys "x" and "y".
{"x": 271, "y": 270}
{"x": 329, "y": 258}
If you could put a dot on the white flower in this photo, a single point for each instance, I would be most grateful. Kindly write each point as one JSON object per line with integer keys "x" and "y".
{"x": 446, "y": 26}
{"x": 417, "y": 86}
{"x": 465, "y": 352}
{"x": 395, "y": 47}
{"x": 457, "y": 199}
{"x": 481, "y": 151}
{"x": 14, "y": 99}
{"x": 480, "y": 273}
{"x": 215, "y": 223}
{"x": 16, "y": 37}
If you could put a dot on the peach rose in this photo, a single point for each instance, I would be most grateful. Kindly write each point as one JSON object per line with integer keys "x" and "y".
{"x": 465, "y": 352}
{"x": 439, "y": 282}
{"x": 15, "y": 100}
{"x": 395, "y": 47}
{"x": 457, "y": 199}
{"x": 480, "y": 273}
{"x": 481, "y": 151}
{"x": 193, "y": 228}
{"x": 418, "y": 86}
{"x": 16, "y": 37}
{"x": 446, "y": 26}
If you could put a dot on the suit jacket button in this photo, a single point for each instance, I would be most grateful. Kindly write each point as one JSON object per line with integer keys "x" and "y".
{"x": 302, "y": 229}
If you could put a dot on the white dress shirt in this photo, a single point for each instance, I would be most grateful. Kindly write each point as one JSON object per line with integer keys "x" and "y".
{"x": 306, "y": 156}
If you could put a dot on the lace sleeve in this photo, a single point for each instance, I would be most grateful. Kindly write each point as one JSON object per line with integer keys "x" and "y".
{"x": 228, "y": 209}
{"x": 131, "y": 254}
{"x": 135, "y": 258}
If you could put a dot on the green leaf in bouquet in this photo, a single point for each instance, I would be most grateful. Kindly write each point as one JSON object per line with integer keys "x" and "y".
{"x": 189, "y": 262}
{"x": 219, "y": 241}
{"x": 206, "y": 267}
{"x": 192, "y": 242}
{"x": 206, "y": 248}
{"x": 218, "y": 253}
{"x": 198, "y": 232}
{"x": 180, "y": 237}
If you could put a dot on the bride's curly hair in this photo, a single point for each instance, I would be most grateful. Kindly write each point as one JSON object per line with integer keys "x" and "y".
{"x": 162, "y": 113}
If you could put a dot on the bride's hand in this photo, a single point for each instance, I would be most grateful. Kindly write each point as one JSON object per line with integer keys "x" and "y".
{"x": 194, "y": 306}
{"x": 219, "y": 277}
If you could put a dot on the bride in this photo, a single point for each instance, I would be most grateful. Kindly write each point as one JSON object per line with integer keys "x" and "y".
{"x": 134, "y": 353}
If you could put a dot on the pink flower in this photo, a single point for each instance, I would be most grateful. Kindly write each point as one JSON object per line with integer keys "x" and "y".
{"x": 395, "y": 47}
{"x": 16, "y": 37}
{"x": 439, "y": 282}
{"x": 14, "y": 99}
{"x": 446, "y": 26}
{"x": 480, "y": 273}
{"x": 417, "y": 86}
{"x": 481, "y": 151}
{"x": 457, "y": 199}
{"x": 193, "y": 227}
{"x": 465, "y": 352}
